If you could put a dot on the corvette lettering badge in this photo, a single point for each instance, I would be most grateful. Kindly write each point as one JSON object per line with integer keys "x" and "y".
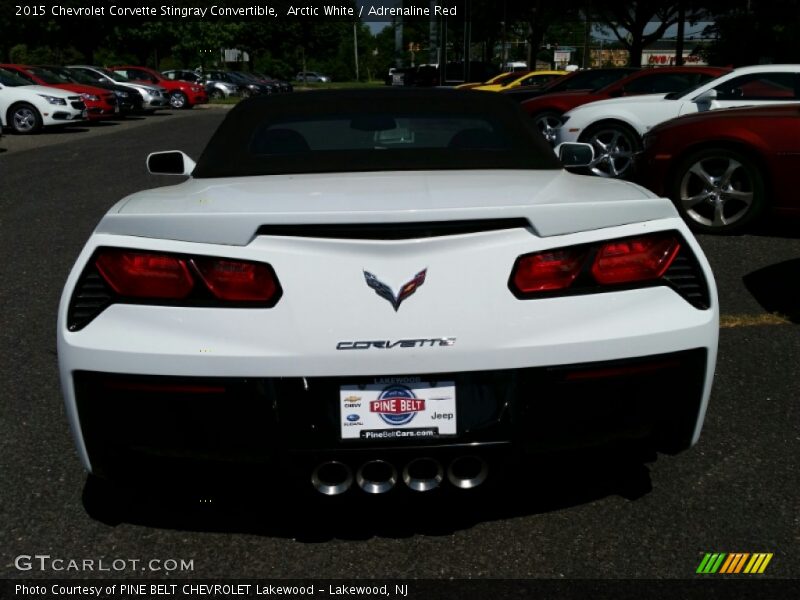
{"x": 384, "y": 291}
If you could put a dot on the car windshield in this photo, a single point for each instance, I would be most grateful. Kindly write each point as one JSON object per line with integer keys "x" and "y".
{"x": 373, "y": 131}
{"x": 72, "y": 75}
{"x": 48, "y": 76}
{"x": 114, "y": 75}
{"x": 11, "y": 80}
{"x": 238, "y": 77}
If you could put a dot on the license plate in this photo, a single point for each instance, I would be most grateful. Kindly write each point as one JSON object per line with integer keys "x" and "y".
{"x": 84, "y": 114}
{"x": 116, "y": 109}
{"x": 394, "y": 408}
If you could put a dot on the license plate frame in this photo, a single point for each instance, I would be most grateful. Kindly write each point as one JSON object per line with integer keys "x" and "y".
{"x": 397, "y": 408}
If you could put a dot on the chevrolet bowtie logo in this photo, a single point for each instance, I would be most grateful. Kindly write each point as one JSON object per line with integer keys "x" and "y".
{"x": 384, "y": 291}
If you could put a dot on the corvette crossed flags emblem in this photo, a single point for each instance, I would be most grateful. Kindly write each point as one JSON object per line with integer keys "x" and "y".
{"x": 384, "y": 291}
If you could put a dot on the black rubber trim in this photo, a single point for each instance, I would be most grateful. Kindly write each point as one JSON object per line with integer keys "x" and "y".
{"x": 393, "y": 231}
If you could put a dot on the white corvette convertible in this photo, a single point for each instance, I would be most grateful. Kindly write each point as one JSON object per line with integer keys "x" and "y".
{"x": 381, "y": 289}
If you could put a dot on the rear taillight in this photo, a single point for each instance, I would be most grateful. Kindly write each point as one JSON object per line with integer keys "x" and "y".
{"x": 597, "y": 267}
{"x": 543, "y": 271}
{"x": 636, "y": 259}
{"x": 145, "y": 274}
{"x": 237, "y": 281}
{"x": 118, "y": 275}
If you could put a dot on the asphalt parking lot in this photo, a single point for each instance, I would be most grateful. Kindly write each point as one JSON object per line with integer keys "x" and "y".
{"x": 736, "y": 491}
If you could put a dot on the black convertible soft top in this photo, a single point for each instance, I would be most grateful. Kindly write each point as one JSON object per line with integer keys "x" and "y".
{"x": 374, "y": 130}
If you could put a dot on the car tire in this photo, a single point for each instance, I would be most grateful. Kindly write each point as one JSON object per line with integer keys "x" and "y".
{"x": 547, "y": 121}
{"x": 216, "y": 95}
{"x": 24, "y": 119}
{"x": 718, "y": 190}
{"x": 615, "y": 146}
{"x": 179, "y": 101}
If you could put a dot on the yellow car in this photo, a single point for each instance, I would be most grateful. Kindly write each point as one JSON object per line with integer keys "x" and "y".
{"x": 528, "y": 78}
{"x": 504, "y": 77}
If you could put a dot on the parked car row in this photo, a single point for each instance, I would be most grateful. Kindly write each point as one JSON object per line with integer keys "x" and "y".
{"x": 224, "y": 84}
{"x": 33, "y": 97}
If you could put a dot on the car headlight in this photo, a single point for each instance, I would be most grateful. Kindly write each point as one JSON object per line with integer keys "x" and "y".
{"x": 152, "y": 91}
{"x": 121, "y": 94}
{"x": 91, "y": 97}
{"x": 54, "y": 100}
{"x": 648, "y": 140}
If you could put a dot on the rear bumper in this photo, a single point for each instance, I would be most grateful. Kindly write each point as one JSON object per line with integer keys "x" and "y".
{"x": 144, "y": 426}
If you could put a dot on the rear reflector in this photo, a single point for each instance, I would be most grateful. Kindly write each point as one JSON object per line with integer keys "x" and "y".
{"x": 237, "y": 281}
{"x": 544, "y": 271}
{"x": 145, "y": 274}
{"x": 634, "y": 259}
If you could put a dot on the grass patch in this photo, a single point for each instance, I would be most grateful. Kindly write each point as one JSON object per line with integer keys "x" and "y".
{"x": 336, "y": 85}
{"x": 229, "y": 100}
{"x": 304, "y": 87}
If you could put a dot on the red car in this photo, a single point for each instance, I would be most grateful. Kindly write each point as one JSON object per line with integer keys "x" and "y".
{"x": 182, "y": 94}
{"x": 100, "y": 103}
{"x": 725, "y": 168}
{"x": 548, "y": 109}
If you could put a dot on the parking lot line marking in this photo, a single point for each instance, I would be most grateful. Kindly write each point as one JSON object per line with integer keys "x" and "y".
{"x": 728, "y": 321}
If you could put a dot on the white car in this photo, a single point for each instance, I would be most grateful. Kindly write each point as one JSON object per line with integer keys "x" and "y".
{"x": 26, "y": 108}
{"x": 380, "y": 289}
{"x": 614, "y": 127}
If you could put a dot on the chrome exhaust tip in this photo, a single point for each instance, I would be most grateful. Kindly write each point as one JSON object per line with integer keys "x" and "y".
{"x": 332, "y": 478}
{"x": 376, "y": 476}
{"x": 467, "y": 472}
{"x": 423, "y": 474}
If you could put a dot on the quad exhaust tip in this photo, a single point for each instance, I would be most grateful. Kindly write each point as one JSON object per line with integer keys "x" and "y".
{"x": 332, "y": 478}
{"x": 467, "y": 472}
{"x": 423, "y": 474}
{"x": 376, "y": 476}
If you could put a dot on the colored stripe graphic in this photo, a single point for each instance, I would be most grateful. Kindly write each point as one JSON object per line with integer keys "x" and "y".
{"x": 735, "y": 562}
{"x": 758, "y": 563}
{"x": 711, "y": 562}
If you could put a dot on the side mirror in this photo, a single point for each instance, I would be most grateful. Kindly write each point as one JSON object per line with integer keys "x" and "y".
{"x": 706, "y": 97}
{"x": 573, "y": 154}
{"x": 173, "y": 162}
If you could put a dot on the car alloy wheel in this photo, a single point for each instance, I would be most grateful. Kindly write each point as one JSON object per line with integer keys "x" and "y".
{"x": 178, "y": 100}
{"x": 548, "y": 122}
{"x": 217, "y": 94}
{"x": 718, "y": 190}
{"x": 25, "y": 119}
{"x": 614, "y": 148}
